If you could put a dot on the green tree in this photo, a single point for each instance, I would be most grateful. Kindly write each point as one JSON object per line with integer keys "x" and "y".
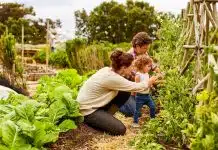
{"x": 114, "y": 22}
{"x": 14, "y": 10}
{"x": 14, "y": 15}
{"x": 81, "y": 23}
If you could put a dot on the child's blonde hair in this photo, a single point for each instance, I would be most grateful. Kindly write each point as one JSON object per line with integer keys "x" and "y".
{"x": 141, "y": 61}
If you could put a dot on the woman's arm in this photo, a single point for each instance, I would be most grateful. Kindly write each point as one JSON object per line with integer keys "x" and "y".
{"x": 119, "y": 83}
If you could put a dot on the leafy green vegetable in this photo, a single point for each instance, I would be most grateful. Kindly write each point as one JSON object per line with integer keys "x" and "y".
{"x": 67, "y": 125}
{"x": 45, "y": 132}
{"x": 11, "y": 136}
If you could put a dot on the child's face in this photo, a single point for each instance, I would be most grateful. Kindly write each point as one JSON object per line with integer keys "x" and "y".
{"x": 147, "y": 67}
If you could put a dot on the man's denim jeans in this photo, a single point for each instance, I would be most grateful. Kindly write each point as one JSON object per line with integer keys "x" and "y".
{"x": 129, "y": 107}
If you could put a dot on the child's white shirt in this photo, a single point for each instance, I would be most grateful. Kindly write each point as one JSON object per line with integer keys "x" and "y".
{"x": 143, "y": 77}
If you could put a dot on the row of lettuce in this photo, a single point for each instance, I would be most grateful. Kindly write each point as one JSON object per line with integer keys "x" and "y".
{"x": 31, "y": 123}
{"x": 185, "y": 121}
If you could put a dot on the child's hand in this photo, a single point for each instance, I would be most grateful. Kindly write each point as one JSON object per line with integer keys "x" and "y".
{"x": 152, "y": 80}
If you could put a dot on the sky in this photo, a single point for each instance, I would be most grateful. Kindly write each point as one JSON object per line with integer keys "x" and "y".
{"x": 64, "y": 9}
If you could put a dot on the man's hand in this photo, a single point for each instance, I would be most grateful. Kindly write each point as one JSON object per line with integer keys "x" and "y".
{"x": 160, "y": 75}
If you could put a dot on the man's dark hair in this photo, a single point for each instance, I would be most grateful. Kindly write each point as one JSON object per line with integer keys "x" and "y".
{"x": 140, "y": 39}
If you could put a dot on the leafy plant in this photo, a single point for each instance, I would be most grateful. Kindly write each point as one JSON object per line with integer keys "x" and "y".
{"x": 40, "y": 56}
{"x": 202, "y": 132}
{"x": 30, "y": 124}
{"x": 59, "y": 58}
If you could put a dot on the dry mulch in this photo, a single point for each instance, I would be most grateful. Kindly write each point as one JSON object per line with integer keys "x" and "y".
{"x": 87, "y": 138}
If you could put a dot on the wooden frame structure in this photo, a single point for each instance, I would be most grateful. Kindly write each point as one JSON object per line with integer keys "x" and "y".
{"x": 200, "y": 31}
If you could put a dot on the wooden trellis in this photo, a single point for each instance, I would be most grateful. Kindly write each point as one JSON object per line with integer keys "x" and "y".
{"x": 200, "y": 30}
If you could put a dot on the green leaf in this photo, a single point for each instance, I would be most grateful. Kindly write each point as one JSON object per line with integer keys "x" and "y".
{"x": 208, "y": 142}
{"x": 67, "y": 125}
{"x": 56, "y": 111}
{"x": 5, "y": 109}
{"x": 27, "y": 110}
{"x": 203, "y": 96}
{"x": 45, "y": 132}
{"x": 26, "y": 127}
{"x": 214, "y": 118}
{"x": 72, "y": 105}
{"x": 11, "y": 136}
{"x": 3, "y": 147}
{"x": 59, "y": 91}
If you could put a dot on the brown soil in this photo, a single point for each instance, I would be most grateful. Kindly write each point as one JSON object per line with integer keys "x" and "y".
{"x": 87, "y": 138}
{"x": 76, "y": 139}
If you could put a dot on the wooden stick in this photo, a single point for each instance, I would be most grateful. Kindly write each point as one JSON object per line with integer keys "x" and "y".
{"x": 213, "y": 35}
{"x": 198, "y": 66}
{"x": 194, "y": 47}
{"x": 186, "y": 66}
{"x": 190, "y": 34}
{"x": 210, "y": 17}
{"x": 200, "y": 84}
{"x": 210, "y": 81}
{"x": 187, "y": 42}
{"x": 207, "y": 31}
{"x": 212, "y": 61}
{"x": 184, "y": 57}
{"x": 48, "y": 45}
{"x": 202, "y": 23}
{"x": 215, "y": 13}
{"x": 22, "y": 45}
{"x": 205, "y": 0}
{"x": 187, "y": 10}
{"x": 197, "y": 25}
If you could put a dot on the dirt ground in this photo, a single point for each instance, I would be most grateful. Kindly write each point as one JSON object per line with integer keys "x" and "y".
{"x": 87, "y": 138}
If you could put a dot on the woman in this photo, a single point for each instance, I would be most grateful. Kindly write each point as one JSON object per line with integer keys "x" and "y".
{"x": 106, "y": 91}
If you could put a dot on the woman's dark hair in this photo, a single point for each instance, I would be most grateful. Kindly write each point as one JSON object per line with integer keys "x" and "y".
{"x": 120, "y": 59}
{"x": 140, "y": 39}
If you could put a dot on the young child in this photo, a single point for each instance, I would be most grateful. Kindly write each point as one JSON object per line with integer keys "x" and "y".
{"x": 143, "y": 65}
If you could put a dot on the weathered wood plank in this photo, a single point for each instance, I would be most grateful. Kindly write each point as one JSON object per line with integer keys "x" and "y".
{"x": 205, "y": 0}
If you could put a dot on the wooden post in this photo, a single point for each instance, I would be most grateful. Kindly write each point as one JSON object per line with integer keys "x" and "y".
{"x": 202, "y": 27}
{"x": 210, "y": 81}
{"x": 186, "y": 66}
{"x": 48, "y": 46}
{"x": 186, "y": 23}
{"x": 215, "y": 15}
{"x": 210, "y": 17}
{"x": 207, "y": 31}
{"x": 198, "y": 67}
{"x": 22, "y": 45}
{"x": 197, "y": 26}
{"x": 200, "y": 83}
{"x": 187, "y": 42}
